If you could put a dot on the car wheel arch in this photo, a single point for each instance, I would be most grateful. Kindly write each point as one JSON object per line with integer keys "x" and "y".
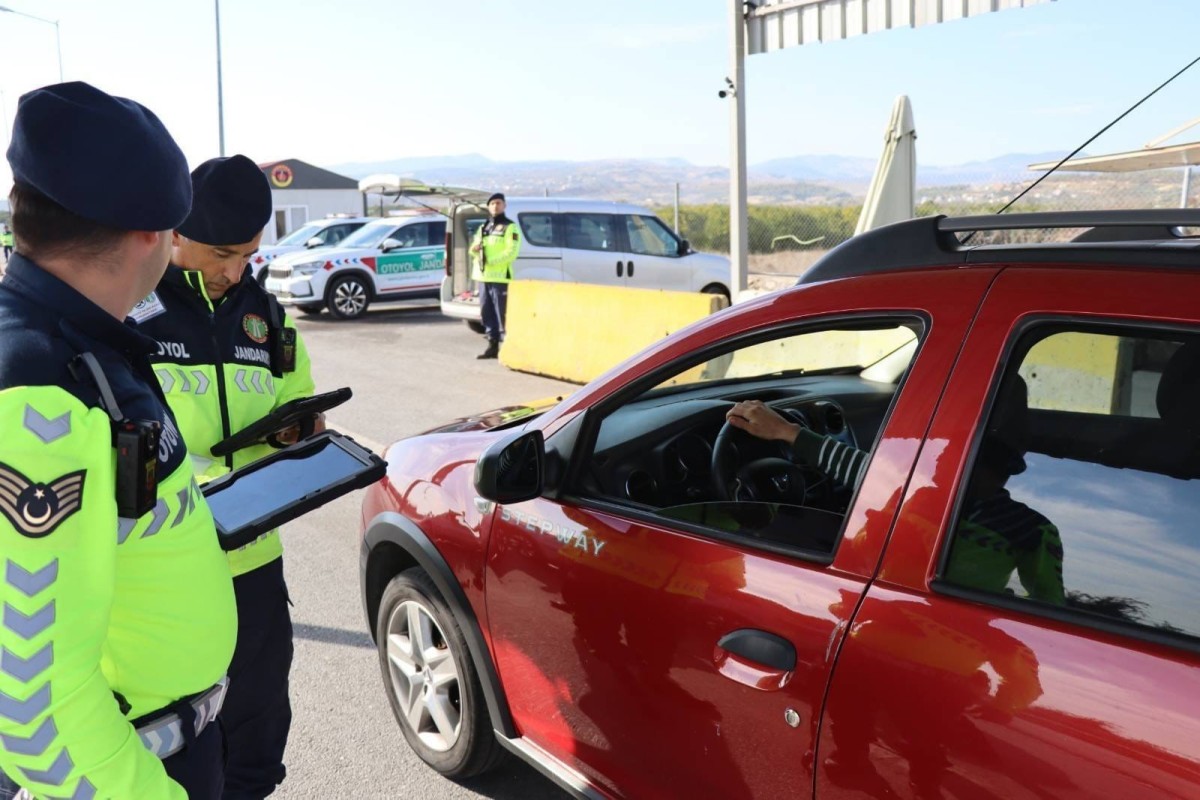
{"x": 394, "y": 542}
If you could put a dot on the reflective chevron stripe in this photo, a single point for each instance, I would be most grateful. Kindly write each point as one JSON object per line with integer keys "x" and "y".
{"x": 160, "y": 516}
{"x": 24, "y": 712}
{"x": 27, "y": 626}
{"x": 84, "y": 791}
{"x": 31, "y": 583}
{"x": 239, "y": 378}
{"x": 164, "y": 736}
{"x": 183, "y": 379}
{"x": 26, "y": 669}
{"x": 34, "y": 745}
{"x": 48, "y": 430}
{"x": 166, "y": 379}
{"x": 201, "y": 381}
{"x": 56, "y": 774}
{"x": 256, "y": 381}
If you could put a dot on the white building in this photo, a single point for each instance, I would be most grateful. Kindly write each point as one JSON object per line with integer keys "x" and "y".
{"x": 301, "y": 192}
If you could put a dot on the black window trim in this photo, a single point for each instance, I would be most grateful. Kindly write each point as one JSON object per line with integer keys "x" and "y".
{"x": 591, "y": 419}
{"x": 1053, "y": 324}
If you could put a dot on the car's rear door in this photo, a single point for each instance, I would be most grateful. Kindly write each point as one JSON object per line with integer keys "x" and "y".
{"x": 1040, "y": 640}
{"x": 608, "y": 623}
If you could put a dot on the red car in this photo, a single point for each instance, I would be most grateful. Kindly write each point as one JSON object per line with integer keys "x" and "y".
{"x": 968, "y": 570}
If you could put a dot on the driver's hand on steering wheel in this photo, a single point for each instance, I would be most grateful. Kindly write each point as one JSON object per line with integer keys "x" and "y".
{"x": 758, "y": 419}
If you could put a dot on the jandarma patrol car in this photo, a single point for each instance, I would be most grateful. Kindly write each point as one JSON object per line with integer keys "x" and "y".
{"x": 393, "y": 258}
{"x": 319, "y": 233}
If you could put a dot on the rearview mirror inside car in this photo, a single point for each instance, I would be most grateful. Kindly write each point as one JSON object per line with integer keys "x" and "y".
{"x": 314, "y": 242}
{"x": 512, "y": 470}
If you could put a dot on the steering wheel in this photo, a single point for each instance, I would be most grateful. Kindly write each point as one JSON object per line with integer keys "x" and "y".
{"x": 765, "y": 479}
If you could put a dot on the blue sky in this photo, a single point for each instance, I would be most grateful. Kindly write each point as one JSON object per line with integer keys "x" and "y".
{"x": 361, "y": 80}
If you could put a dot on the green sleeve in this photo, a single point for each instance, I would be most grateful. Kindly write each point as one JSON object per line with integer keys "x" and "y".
{"x": 299, "y": 382}
{"x": 61, "y": 729}
{"x": 1040, "y": 569}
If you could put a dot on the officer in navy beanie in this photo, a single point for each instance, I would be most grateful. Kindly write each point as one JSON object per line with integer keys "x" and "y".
{"x": 230, "y": 336}
{"x": 107, "y": 159}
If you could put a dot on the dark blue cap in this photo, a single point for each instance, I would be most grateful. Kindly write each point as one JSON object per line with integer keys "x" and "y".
{"x": 231, "y": 202}
{"x": 497, "y": 196}
{"x": 107, "y": 159}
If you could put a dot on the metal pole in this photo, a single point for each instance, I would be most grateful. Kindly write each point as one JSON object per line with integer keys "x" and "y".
{"x": 677, "y": 208}
{"x": 1187, "y": 187}
{"x": 58, "y": 44}
{"x": 220, "y": 88}
{"x": 739, "y": 249}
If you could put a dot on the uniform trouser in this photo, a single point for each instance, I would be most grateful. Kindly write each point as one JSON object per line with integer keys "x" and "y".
{"x": 494, "y": 310}
{"x": 198, "y": 767}
{"x": 257, "y": 714}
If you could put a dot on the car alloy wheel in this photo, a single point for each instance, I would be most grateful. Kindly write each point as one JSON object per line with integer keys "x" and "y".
{"x": 349, "y": 298}
{"x": 425, "y": 678}
{"x": 430, "y": 678}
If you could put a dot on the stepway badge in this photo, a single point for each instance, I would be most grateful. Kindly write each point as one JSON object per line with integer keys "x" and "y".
{"x": 149, "y": 308}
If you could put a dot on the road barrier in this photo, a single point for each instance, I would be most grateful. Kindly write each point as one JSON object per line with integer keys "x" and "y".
{"x": 577, "y": 331}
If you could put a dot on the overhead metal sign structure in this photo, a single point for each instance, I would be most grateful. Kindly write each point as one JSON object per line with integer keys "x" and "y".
{"x": 762, "y": 26}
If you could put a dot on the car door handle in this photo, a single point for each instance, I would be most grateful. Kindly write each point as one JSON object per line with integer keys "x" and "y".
{"x": 760, "y": 647}
{"x": 620, "y": 269}
{"x": 631, "y": 269}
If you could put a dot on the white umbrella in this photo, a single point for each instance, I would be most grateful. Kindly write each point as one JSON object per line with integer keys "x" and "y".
{"x": 891, "y": 196}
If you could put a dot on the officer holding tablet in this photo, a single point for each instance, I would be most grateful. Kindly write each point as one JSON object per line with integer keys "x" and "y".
{"x": 227, "y": 356}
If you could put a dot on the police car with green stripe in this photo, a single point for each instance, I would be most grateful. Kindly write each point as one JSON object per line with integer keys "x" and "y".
{"x": 390, "y": 259}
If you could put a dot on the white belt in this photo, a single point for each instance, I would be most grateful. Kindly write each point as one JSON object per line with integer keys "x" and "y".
{"x": 164, "y": 736}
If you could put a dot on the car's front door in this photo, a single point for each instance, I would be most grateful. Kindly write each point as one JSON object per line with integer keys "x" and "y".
{"x": 652, "y": 259}
{"x": 417, "y": 265}
{"x": 1034, "y": 631}
{"x": 661, "y": 659}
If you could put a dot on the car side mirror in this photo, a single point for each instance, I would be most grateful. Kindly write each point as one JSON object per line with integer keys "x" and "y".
{"x": 513, "y": 469}
{"x": 314, "y": 242}
{"x": 685, "y": 247}
{"x": 389, "y": 245}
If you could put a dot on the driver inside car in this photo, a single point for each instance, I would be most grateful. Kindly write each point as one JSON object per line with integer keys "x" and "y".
{"x": 996, "y": 535}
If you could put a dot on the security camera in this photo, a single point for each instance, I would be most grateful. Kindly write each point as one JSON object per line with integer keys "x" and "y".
{"x": 729, "y": 91}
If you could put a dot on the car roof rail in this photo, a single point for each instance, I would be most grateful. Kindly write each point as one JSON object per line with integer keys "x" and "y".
{"x": 1112, "y": 237}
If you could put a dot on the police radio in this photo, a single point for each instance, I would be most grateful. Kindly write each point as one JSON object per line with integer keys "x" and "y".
{"x": 136, "y": 443}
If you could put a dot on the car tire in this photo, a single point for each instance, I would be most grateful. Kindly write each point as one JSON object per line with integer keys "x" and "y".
{"x": 311, "y": 309}
{"x": 716, "y": 288}
{"x": 461, "y": 743}
{"x": 475, "y": 325}
{"x": 348, "y": 297}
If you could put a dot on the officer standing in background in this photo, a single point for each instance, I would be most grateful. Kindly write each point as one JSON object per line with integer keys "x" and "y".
{"x": 119, "y": 618}
{"x": 6, "y": 241}
{"x": 496, "y": 246}
{"x": 226, "y": 357}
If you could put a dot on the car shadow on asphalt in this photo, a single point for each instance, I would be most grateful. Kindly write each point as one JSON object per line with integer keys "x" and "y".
{"x": 513, "y": 779}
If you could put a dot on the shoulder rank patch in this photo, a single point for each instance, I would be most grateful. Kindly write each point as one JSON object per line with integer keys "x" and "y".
{"x": 148, "y": 308}
{"x": 256, "y": 328}
{"x": 36, "y": 509}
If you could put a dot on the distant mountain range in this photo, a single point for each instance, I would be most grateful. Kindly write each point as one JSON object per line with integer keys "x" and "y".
{"x": 812, "y": 179}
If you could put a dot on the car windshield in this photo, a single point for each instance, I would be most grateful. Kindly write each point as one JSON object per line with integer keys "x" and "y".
{"x": 300, "y": 235}
{"x": 370, "y": 235}
{"x": 826, "y": 351}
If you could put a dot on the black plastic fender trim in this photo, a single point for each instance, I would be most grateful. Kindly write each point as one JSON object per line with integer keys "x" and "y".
{"x": 406, "y": 534}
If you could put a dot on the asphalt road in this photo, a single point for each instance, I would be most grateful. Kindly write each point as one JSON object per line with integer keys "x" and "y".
{"x": 411, "y": 369}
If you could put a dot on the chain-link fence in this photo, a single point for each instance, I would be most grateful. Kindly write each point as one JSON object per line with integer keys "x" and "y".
{"x": 786, "y": 238}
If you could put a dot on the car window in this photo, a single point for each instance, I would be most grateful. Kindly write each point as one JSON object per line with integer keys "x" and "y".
{"x": 370, "y": 235}
{"x": 538, "y": 228}
{"x": 648, "y": 236}
{"x": 669, "y": 452}
{"x": 300, "y": 235}
{"x": 589, "y": 232}
{"x": 1082, "y": 492}
{"x": 437, "y": 234}
{"x": 335, "y": 233}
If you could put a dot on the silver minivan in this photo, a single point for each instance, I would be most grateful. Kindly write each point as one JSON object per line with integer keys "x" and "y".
{"x": 582, "y": 241}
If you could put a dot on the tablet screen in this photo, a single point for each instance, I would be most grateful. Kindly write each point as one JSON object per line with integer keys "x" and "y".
{"x": 283, "y": 483}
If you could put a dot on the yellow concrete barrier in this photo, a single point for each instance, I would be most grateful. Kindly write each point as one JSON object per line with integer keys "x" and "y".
{"x": 576, "y": 331}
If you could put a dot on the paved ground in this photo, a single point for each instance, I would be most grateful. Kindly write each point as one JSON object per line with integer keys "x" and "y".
{"x": 410, "y": 369}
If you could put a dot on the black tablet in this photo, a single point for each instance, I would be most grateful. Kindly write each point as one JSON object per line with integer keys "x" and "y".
{"x": 281, "y": 419}
{"x": 261, "y": 496}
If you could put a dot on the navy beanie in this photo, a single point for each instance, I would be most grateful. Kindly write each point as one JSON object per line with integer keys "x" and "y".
{"x": 231, "y": 202}
{"x": 106, "y": 159}
{"x": 497, "y": 196}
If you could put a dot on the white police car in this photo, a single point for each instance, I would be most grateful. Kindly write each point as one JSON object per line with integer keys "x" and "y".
{"x": 388, "y": 259}
{"x": 318, "y": 233}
